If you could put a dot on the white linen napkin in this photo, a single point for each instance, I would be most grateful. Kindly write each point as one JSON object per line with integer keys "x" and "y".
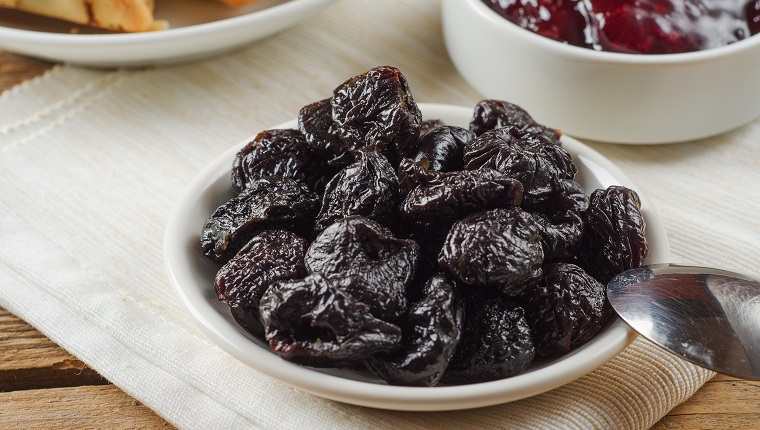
{"x": 93, "y": 160}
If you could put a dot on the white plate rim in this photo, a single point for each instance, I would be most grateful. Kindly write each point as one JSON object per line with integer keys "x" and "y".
{"x": 230, "y": 338}
{"x": 157, "y": 47}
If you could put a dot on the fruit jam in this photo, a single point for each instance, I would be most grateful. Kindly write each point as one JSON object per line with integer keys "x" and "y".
{"x": 636, "y": 26}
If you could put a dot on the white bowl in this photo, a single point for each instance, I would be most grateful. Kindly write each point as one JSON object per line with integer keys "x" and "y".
{"x": 192, "y": 275}
{"x": 605, "y": 96}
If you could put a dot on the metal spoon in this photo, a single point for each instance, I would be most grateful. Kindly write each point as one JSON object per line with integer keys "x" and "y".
{"x": 707, "y": 316}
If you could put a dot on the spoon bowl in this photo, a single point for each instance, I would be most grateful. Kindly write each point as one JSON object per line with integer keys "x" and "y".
{"x": 707, "y": 316}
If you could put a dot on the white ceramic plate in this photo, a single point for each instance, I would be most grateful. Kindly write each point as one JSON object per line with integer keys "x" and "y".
{"x": 192, "y": 275}
{"x": 198, "y": 28}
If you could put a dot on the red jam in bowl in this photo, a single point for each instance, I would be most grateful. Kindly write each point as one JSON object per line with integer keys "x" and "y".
{"x": 636, "y": 26}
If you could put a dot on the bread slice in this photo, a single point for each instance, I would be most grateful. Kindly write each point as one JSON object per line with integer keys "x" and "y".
{"x": 117, "y": 15}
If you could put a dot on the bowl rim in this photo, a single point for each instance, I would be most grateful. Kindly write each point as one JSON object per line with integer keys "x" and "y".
{"x": 563, "y": 49}
{"x": 181, "y": 251}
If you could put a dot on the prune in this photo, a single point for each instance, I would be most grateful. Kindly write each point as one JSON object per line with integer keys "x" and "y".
{"x": 441, "y": 149}
{"x": 539, "y": 165}
{"x": 614, "y": 235}
{"x": 454, "y": 195}
{"x": 368, "y": 187}
{"x": 496, "y": 343}
{"x": 377, "y": 109}
{"x": 321, "y": 132}
{"x": 431, "y": 330}
{"x": 271, "y": 256}
{"x": 499, "y": 248}
{"x": 560, "y": 234}
{"x": 565, "y": 310}
{"x": 359, "y": 247}
{"x": 491, "y": 114}
{"x": 280, "y": 152}
{"x": 309, "y": 321}
{"x": 428, "y": 124}
{"x": 575, "y": 192}
{"x": 267, "y": 203}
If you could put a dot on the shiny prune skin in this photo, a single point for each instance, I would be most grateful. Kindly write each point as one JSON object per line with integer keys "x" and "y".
{"x": 428, "y": 124}
{"x": 565, "y": 309}
{"x": 368, "y": 187}
{"x": 497, "y": 248}
{"x": 532, "y": 159}
{"x": 431, "y": 331}
{"x": 446, "y": 198}
{"x": 357, "y": 247}
{"x": 496, "y": 343}
{"x": 269, "y": 203}
{"x": 377, "y": 109}
{"x": 279, "y": 152}
{"x": 270, "y": 256}
{"x": 321, "y": 132}
{"x": 614, "y": 237}
{"x": 490, "y": 114}
{"x": 311, "y": 322}
{"x": 561, "y": 234}
{"x": 441, "y": 149}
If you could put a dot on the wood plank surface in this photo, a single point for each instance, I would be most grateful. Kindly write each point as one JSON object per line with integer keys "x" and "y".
{"x": 43, "y": 386}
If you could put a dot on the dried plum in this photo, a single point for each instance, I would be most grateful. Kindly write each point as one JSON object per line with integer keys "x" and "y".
{"x": 566, "y": 309}
{"x": 496, "y": 343}
{"x": 614, "y": 234}
{"x": 321, "y": 132}
{"x": 499, "y": 248}
{"x": 309, "y": 321}
{"x": 441, "y": 149}
{"x": 491, "y": 114}
{"x": 279, "y": 152}
{"x": 268, "y": 203}
{"x": 377, "y": 109}
{"x": 428, "y": 124}
{"x": 431, "y": 330}
{"x": 539, "y": 165}
{"x": 271, "y": 256}
{"x": 359, "y": 247}
{"x": 561, "y": 234}
{"x": 456, "y": 194}
{"x": 368, "y": 187}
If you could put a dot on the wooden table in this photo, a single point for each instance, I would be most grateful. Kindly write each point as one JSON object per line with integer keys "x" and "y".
{"x": 43, "y": 386}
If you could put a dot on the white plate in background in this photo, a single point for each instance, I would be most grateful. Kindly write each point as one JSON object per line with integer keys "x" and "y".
{"x": 198, "y": 28}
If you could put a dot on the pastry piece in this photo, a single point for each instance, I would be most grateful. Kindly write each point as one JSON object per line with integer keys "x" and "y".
{"x": 117, "y": 15}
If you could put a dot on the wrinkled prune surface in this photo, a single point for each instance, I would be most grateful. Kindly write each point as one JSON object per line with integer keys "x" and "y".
{"x": 268, "y": 203}
{"x": 491, "y": 114}
{"x": 309, "y": 321}
{"x": 377, "y": 109}
{"x": 441, "y": 149}
{"x": 614, "y": 234}
{"x": 560, "y": 233}
{"x": 321, "y": 132}
{"x": 496, "y": 343}
{"x": 368, "y": 187}
{"x": 499, "y": 248}
{"x": 272, "y": 255}
{"x": 428, "y": 124}
{"x": 431, "y": 331}
{"x": 280, "y": 152}
{"x": 539, "y": 165}
{"x": 566, "y": 309}
{"x": 454, "y": 195}
{"x": 361, "y": 248}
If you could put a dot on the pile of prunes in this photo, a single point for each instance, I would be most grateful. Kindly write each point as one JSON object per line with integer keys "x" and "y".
{"x": 369, "y": 238}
